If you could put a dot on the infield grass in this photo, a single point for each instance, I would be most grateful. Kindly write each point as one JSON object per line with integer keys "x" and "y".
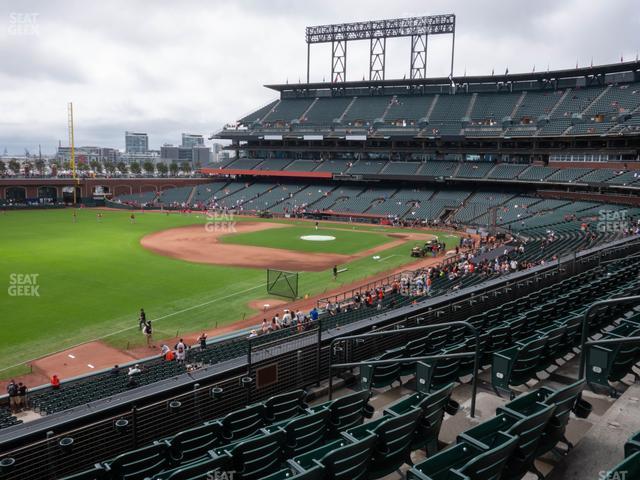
{"x": 290, "y": 238}
{"x": 92, "y": 278}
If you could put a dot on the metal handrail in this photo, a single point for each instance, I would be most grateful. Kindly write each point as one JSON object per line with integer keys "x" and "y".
{"x": 475, "y": 354}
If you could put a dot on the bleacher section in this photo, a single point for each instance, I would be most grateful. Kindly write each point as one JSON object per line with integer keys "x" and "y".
{"x": 592, "y": 110}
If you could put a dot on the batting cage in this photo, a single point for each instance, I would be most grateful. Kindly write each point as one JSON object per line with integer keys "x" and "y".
{"x": 282, "y": 284}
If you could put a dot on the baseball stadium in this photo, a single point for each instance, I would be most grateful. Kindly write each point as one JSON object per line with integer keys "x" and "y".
{"x": 422, "y": 278}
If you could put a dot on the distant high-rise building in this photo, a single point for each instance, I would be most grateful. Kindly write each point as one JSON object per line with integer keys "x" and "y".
{"x": 136, "y": 142}
{"x": 189, "y": 140}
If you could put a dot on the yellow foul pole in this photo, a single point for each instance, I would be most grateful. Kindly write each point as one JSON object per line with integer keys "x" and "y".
{"x": 72, "y": 158}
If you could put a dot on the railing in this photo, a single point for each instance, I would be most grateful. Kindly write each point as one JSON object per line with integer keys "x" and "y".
{"x": 475, "y": 354}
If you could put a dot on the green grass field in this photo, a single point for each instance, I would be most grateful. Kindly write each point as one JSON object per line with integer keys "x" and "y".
{"x": 92, "y": 278}
{"x": 346, "y": 241}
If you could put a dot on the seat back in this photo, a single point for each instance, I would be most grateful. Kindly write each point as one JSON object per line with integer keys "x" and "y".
{"x": 529, "y": 431}
{"x": 350, "y": 462}
{"x": 489, "y": 465}
{"x": 195, "y": 442}
{"x": 564, "y": 400}
{"x": 244, "y": 422}
{"x": 141, "y": 463}
{"x": 259, "y": 456}
{"x": 306, "y": 432}
{"x": 285, "y": 406}
{"x": 315, "y": 473}
{"x": 202, "y": 470}
{"x": 348, "y": 411}
{"x": 379, "y": 376}
{"x": 96, "y": 473}
{"x": 395, "y": 437}
{"x": 528, "y": 360}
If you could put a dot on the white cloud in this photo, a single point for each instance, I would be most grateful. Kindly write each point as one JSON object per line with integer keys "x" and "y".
{"x": 166, "y": 67}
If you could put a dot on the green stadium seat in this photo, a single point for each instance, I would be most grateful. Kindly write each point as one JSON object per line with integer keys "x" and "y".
{"x": 96, "y": 473}
{"x": 632, "y": 445}
{"x": 141, "y": 463}
{"x": 466, "y": 461}
{"x": 304, "y": 433}
{"x": 243, "y": 423}
{"x": 256, "y": 457}
{"x": 285, "y": 406}
{"x": 395, "y": 437}
{"x": 528, "y": 430}
{"x": 380, "y": 376}
{"x": 315, "y": 473}
{"x": 564, "y": 399}
{"x": 200, "y": 470}
{"x": 340, "y": 460}
{"x": 516, "y": 365}
{"x": 435, "y": 374}
{"x": 433, "y": 407}
{"x": 347, "y": 412}
{"x": 194, "y": 443}
{"x": 629, "y": 468}
{"x": 611, "y": 363}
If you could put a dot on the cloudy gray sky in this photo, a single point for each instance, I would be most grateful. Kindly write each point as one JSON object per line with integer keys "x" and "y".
{"x": 166, "y": 67}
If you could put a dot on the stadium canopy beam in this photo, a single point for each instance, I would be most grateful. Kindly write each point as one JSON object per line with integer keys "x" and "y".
{"x": 377, "y": 49}
{"x": 339, "y": 61}
{"x": 377, "y": 31}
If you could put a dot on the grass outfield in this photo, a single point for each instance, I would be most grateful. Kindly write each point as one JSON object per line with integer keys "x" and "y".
{"x": 93, "y": 278}
{"x": 346, "y": 241}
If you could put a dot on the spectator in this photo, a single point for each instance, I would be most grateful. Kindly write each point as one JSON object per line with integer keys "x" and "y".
{"x": 115, "y": 370}
{"x": 253, "y": 334}
{"x": 132, "y": 382}
{"x": 22, "y": 396}
{"x": 265, "y": 326}
{"x": 181, "y": 351}
{"x": 12, "y": 391}
{"x": 134, "y": 370}
{"x": 203, "y": 341}
{"x": 55, "y": 382}
{"x": 313, "y": 314}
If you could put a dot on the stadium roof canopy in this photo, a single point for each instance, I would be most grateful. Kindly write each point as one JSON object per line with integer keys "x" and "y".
{"x": 594, "y": 73}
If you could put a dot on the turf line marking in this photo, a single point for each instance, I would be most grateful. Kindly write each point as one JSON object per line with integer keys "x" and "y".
{"x": 90, "y": 366}
{"x": 385, "y": 258}
{"x": 134, "y": 327}
{"x": 71, "y": 356}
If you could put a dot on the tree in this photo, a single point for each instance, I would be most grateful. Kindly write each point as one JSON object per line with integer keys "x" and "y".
{"x": 14, "y": 166}
{"x": 185, "y": 167}
{"x": 162, "y": 168}
{"x": 40, "y": 164}
{"x": 122, "y": 168}
{"x": 134, "y": 167}
{"x": 27, "y": 167}
{"x": 3, "y": 168}
{"x": 148, "y": 167}
{"x": 174, "y": 169}
{"x": 82, "y": 167}
{"x": 109, "y": 167}
{"x": 96, "y": 166}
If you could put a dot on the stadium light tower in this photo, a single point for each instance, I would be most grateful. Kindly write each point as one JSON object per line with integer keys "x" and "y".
{"x": 377, "y": 32}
